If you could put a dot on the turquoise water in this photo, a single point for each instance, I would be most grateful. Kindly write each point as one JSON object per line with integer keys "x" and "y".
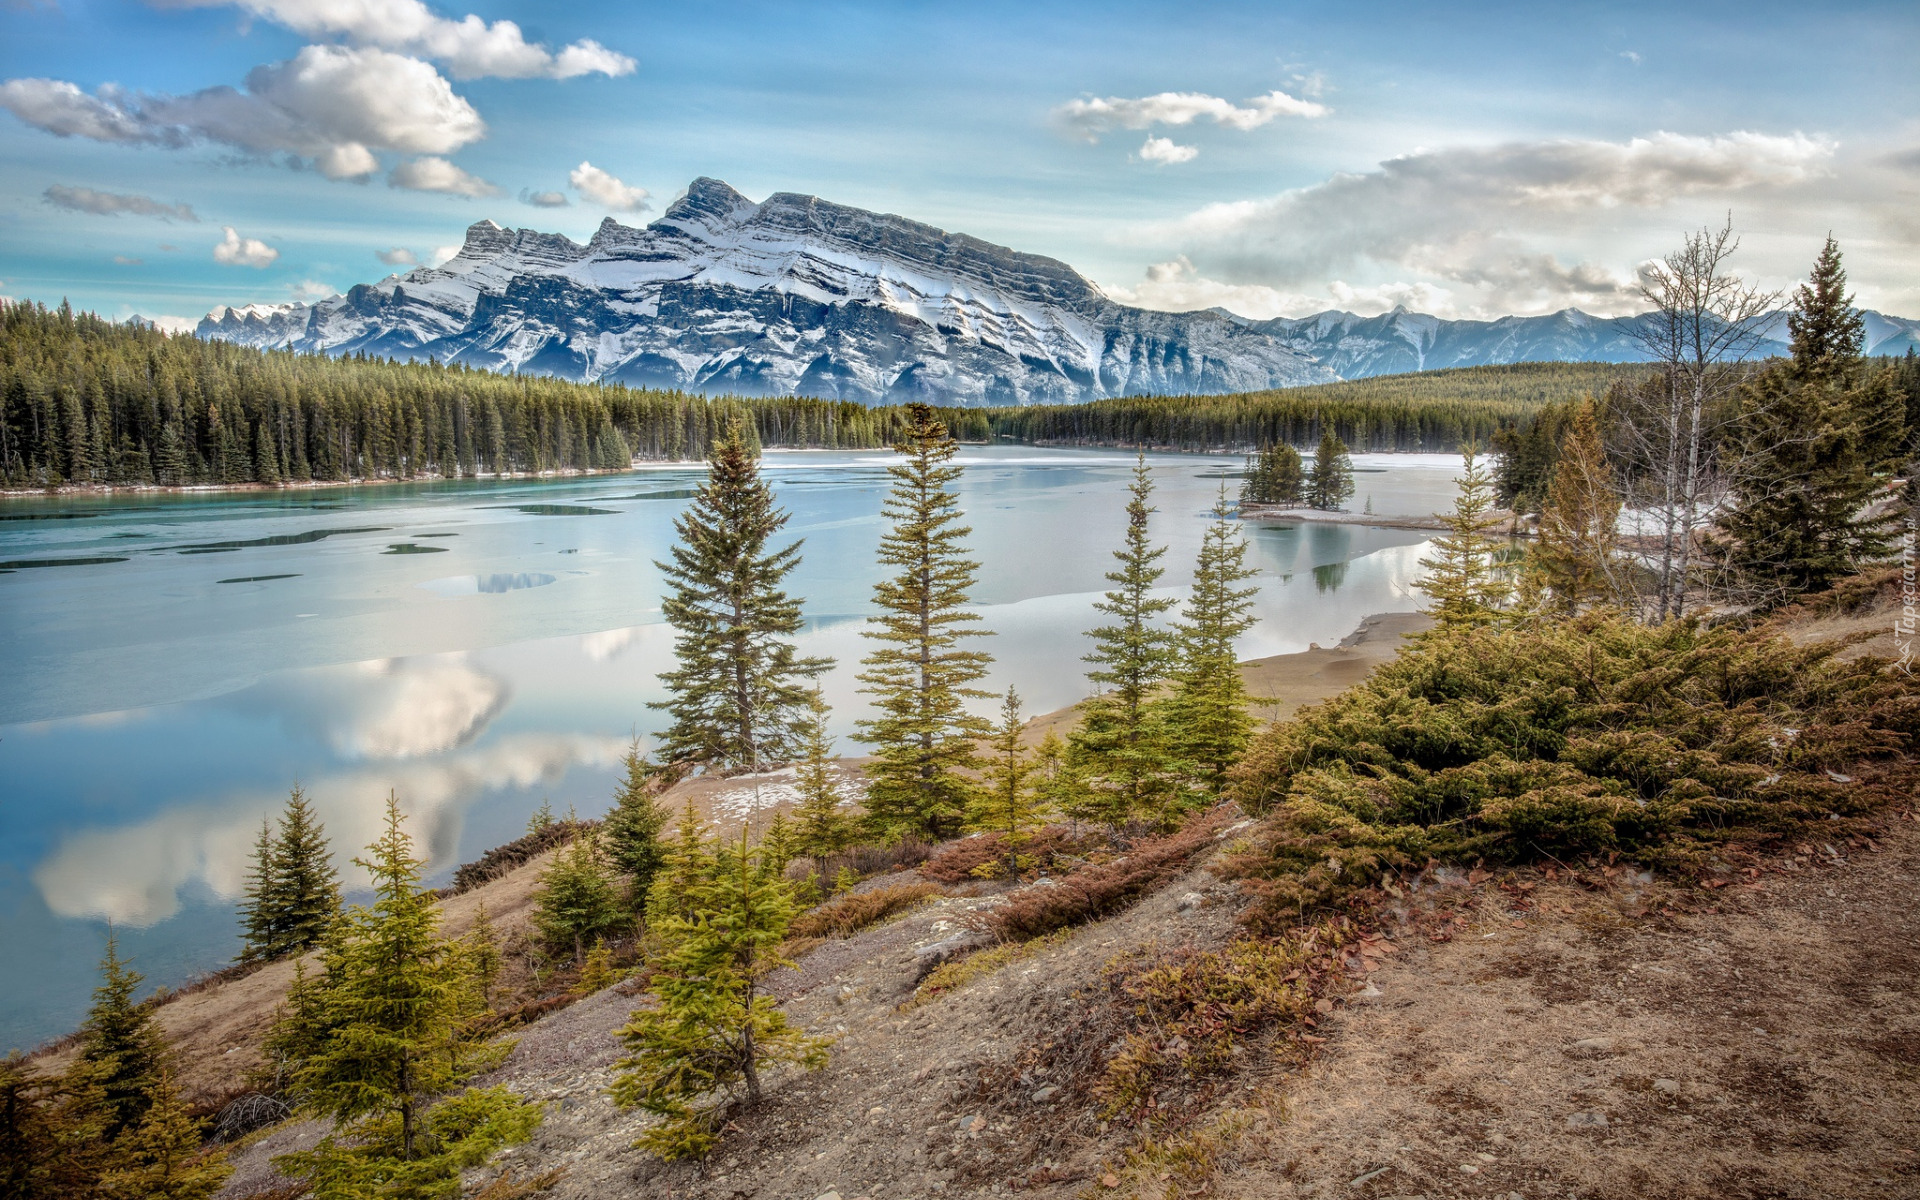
{"x": 478, "y": 647}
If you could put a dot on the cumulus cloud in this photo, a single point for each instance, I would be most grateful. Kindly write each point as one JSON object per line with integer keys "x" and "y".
{"x": 470, "y": 47}
{"x": 544, "y": 199}
{"x": 399, "y": 256}
{"x": 442, "y": 254}
{"x": 1476, "y": 216}
{"x": 1167, "y": 151}
{"x": 236, "y": 251}
{"x": 333, "y": 106}
{"x": 134, "y": 875}
{"x": 112, "y": 204}
{"x": 605, "y": 190}
{"x": 307, "y": 291}
{"x": 431, "y": 174}
{"x": 1090, "y": 118}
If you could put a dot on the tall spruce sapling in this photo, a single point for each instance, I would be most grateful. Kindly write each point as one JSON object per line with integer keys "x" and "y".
{"x": 739, "y": 684}
{"x": 259, "y": 899}
{"x": 1576, "y": 561}
{"x": 1207, "y": 718}
{"x": 162, "y": 1158}
{"x": 542, "y": 818}
{"x": 1465, "y": 580}
{"x": 715, "y": 1028}
{"x": 1817, "y": 441}
{"x": 121, "y": 1045}
{"x": 821, "y": 829}
{"x": 1059, "y": 781}
{"x": 307, "y": 887}
{"x": 921, "y": 779}
{"x": 1330, "y": 484}
{"x": 51, "y": 1144}
{"x": 578, "y": 902}
{"x": 1005, "y": 804}
{"x": 686, "y": 866}
{"x": 1273, "y": 476}
{"x": 1122, "y": 735}
{"x": 634, "y": 826}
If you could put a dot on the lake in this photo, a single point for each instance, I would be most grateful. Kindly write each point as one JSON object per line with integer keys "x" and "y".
{"x": 482, "y": 646}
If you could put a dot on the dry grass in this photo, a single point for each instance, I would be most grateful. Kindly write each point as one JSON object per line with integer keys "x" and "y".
{"x": 961, "y": 971}
{"x": 846, "y": 915}
{"x": 1102, "y": 889}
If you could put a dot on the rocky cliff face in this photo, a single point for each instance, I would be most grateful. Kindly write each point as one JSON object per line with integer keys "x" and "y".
{"x": 791, "y": 295}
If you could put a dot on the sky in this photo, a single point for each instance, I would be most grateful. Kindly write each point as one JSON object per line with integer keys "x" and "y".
{"x": 1276, "y": 159}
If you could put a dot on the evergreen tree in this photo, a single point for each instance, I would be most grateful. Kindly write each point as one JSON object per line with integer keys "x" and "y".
{"x": 633, "y": 827}
{"x": 1331, "y": 482}
{"x": 779, "y": 843}
{"x": 686, "y": 867}
{"x": 1122, "y": 737}
{"x": 1465, "y": 581}
{"x": 258, "y": 907}
{"x": 51, "y": 1141}
{"x": 482, "y": 947}
{"x": 121, "y": 1045}
{"x": 1059, "y": 784}
{"x": 1817, "y": 439}
{"x": 161, "y": 1158}
{"x": 1207, "y": 712}
{"x": 923, "y": 739}
{"x": 1006, "y": 804}
{"x": 394, "y": 1005}
{"x": 577, "y": 902}
{"x": 1576, "y": 560}
{"x": 738, "y": 687}
{"x": 820, "y": 828}
{"x": 306, "y": 888}
{"x": 542, "y": 818}
{"x": 715, "y": 1027}
{"x": 1274, "y": 476}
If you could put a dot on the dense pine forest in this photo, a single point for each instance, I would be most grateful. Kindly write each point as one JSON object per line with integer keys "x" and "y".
{"x": 1429, "y": 410}
{"x": 84, "y": 400}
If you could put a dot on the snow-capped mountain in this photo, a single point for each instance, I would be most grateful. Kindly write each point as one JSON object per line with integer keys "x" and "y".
{"x": 1355, "y": 347}
{"x": 791, "y": 295}
{"x": 798, "y": 295}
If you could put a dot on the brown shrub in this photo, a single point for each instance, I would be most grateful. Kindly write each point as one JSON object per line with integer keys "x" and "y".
{"x": 848, "y": 914}
{"x": 956, "y": 863}
{"x": 1096, "y": 891}
{"x": 522, "y": 850}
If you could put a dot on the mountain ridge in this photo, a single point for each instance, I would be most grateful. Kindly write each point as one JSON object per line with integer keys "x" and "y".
{"x": 799, "y": 295}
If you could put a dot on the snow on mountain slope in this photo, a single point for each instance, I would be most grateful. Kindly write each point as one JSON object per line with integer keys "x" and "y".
{"x": 793, "y": 294}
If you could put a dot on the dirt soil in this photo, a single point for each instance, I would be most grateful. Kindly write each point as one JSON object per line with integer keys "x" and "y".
{"x": 1764, "y": 1043}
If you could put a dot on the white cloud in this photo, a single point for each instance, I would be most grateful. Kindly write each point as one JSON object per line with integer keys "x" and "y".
{"x": 1479, "y": 216}
{"x": 399, "y": 256}
{"x": 175, "y": 324}
{"x": 1166, "y": 150}
{"x": 442, "y": 254}
{"x": 236, "y": 251}
{"x": 470, "y": 47}
{"x": 309, "y": 290}
{"x": 605, "y": 190}
{"x": 544, "y": 199}
{"x": 332, "y": 105}
{"x": 126, "y": 261}
{"x": 1093, "y": 117}
{"x": 134, "y": 874}
{"x": 112, "y": 204}
{"x": 432, "y": 174}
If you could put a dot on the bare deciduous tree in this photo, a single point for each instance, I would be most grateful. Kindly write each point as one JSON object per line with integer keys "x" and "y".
{"x": 1704, "y": 324}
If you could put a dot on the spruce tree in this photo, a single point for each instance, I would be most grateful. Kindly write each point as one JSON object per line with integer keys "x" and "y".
{"x": 161, "y": 1158}
{"x": 1817, "y": 439}
{"x": 1059, "y": 783}
{"x": 779, "y": 843}
{"x": 1006, "y": 803}
{"x": 542, "y": 818}
{"x": 715, "y": 1028}
{"x": 306, "y": 888}
{"x": 1122, "y": 737}
{"x": 577, "y": 902}
{"x": 738, "y": 688}
{"x": 121, "y": 1045}
{"x": 482, "y": 947}
{"x": 1331, "y": 483}
{"x": 923, "y": 739}
{"x": 260, "y": 900}
{"x": 394, "y": 1005}
{"x": 1274, "y": 476}
{"x": 1465, "y": 581}
{"x": 820, "y": 828}
{"x": 686, "y": 866}
{"x": 1576, "y": 560}
{"x": 52, "y": 1145}
{"x": 633, "y": 827}
{"x": 1207, "y": 713}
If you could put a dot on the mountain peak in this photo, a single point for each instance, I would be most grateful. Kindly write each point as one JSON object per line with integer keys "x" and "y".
{"x": 485, "y": 238}
{"x": 706, "y": 198}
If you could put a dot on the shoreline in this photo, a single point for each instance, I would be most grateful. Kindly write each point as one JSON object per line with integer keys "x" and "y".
{"x": 1320, "y": 516}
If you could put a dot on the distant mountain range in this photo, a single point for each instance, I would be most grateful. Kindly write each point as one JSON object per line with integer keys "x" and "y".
{"x": 799, "y": 295}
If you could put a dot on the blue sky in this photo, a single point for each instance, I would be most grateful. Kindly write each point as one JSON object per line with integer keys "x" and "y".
{"x": 1274, "y": 158}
